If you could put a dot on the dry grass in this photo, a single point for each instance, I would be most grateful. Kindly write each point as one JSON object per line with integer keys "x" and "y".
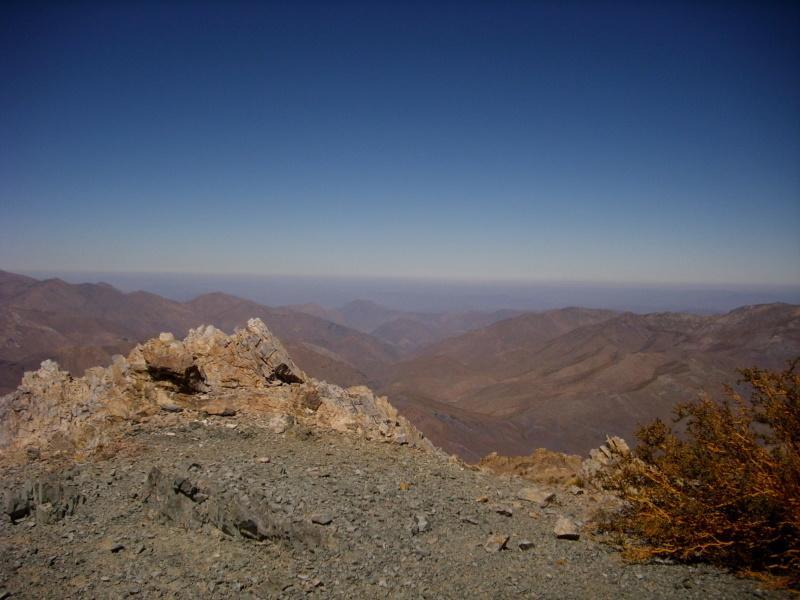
{"x": 725, "y": 490}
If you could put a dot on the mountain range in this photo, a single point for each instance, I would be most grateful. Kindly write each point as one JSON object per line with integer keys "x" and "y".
{"x": 474, "y": 382}
{"x": 563, "y": 379}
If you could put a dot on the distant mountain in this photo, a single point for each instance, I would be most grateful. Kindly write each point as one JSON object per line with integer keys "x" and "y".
{"x": 406, "y": 331}
{"x": 84, "y": 325}
{"x": 564, "y": 379}
{"x": 474, "y": 382}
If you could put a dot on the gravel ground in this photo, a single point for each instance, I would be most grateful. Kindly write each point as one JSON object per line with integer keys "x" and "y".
{"x": 390, "y": 522}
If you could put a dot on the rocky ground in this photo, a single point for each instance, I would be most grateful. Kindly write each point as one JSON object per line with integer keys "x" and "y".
{"x": 185, "y": 507}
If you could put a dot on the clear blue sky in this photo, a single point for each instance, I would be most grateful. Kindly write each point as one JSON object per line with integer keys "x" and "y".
{"x": 639, "y": 142}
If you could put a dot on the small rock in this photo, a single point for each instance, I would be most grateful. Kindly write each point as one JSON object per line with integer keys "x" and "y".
{"x": 117, "y": 548}
{"x": 322, "y": 519}
{"x": 264, "y": 459}
{"x": 496, "y": 542}
{"x": 525, "y": 545}
{"x": 503, "y": 510}
{"x": 422, "y": 524}
{"x": 577, "y": 491}
{"x": 419, "y": 524}
{"x": 219, "y": 408}
{"x": 405, "y": 486}
{"x": 565, "y": 529}
{"x": 280, "y": 423}
{"x": 536, "y": 495}
{"x": 482, "y": 499}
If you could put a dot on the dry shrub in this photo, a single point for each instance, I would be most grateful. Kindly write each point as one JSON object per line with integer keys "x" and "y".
{"x": 725, "y": 489}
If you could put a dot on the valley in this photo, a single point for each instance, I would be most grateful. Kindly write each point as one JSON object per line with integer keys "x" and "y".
{"x": 475, "y": 382}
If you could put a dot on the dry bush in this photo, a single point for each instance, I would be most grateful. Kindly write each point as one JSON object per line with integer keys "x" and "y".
{"x": 726, "y": 488}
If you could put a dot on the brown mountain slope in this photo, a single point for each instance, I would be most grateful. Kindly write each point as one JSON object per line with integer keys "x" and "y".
{"x": 566, "y": 391}
{"x": 456, "y": 367}
{"x": 83, "y": 325}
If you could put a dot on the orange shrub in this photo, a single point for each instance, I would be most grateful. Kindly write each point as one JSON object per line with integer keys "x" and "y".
{"x": 725, "y": 489}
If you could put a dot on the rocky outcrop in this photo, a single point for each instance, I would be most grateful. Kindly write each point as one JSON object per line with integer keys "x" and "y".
{"x": 192, "y": 503}
{"x": 541, "y": 466}
{"x": 208, "y": 372}
{"x": 603, "y": 460}
{"x": 210, "y": 360}
{"x": 48, "y": 499}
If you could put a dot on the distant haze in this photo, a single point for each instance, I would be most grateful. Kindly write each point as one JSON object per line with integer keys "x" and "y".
{"x": 444, "y": 295}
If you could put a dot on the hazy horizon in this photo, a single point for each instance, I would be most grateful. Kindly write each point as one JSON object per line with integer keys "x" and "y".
{"x": 638, "y": 142}
{"x": 442, "y": 295}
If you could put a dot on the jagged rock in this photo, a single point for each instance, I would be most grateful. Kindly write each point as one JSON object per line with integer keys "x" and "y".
{"x": 359, "y": 409}
{"x": 536, "y": 495}
{"x": 602, "y": 460}
{"x": 247, "y": 372}
{"x": 168, "y": 360}
{"x": 251, "y": 357}
{"x": 48, "y": 404}
{"x": 49, "y": 499}
{"x": 566, "y": 529}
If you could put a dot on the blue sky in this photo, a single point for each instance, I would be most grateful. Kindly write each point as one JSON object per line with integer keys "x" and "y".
{"x": 605, "y": 142}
